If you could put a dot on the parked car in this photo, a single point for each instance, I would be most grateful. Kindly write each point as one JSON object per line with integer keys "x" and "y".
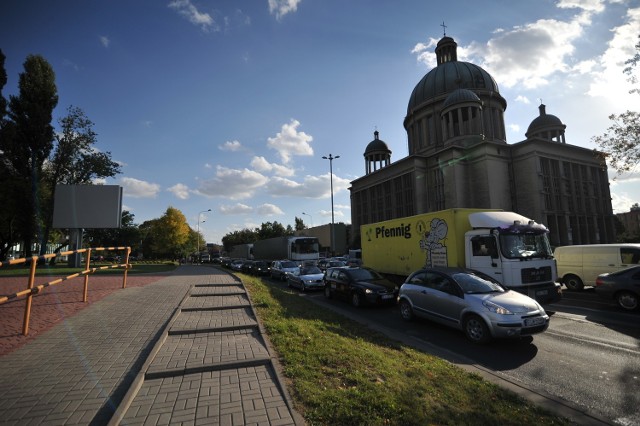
{"x": 622, "y": 286}
{"x": 247, "y": 267}
{"x": 306, "y": 278}
{"x": 280, "y": 269}
{"x": 330, "y": 263}
{"x": 472, "y": 302}
{"x": 236, "y": 264}
{"x": 360, "y": 286}
{"x": 260, "y": 268}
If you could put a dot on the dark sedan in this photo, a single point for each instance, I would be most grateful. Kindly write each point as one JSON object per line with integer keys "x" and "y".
{"x": 622, "y": 286}
{"x": 359, "y": 286}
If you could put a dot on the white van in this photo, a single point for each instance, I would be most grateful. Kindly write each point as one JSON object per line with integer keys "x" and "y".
{"x": 579, "y": 266}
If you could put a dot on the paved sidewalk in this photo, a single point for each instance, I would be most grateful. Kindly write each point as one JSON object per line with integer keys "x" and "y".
{"x": 186, "y": 349}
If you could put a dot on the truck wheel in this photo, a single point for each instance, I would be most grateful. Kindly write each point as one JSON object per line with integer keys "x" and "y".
{"x": 405, "y": 310}
{"x": 627, "y": 300}
{"x": 476, "y": 329}
{"x": 356, "y": 300}
{"x": 327, "y": 292}
{"x": 573, "y": 282}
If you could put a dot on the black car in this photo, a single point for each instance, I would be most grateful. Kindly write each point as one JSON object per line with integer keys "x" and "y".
{"x": 261, "y": 268}
{"x": 622, "y": 286}
{"x": 359, "y": 286}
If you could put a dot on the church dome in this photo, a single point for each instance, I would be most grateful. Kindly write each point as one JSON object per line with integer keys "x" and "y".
{"x": 544, "y": 122}
{"x": 376, "y": 145}
{"x": 460, "y": 96}
{"x": 450, "y": 75}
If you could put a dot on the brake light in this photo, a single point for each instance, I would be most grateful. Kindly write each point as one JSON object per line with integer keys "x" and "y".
{"x": 599, "y": 282}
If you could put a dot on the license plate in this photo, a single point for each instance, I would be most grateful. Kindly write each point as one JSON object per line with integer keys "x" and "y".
{"x": 531, "y": 322}
{"x": 542, "y": 292}
{"x": 387, "y": 296}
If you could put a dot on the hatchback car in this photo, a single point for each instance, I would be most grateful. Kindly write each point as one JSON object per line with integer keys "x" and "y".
{"x": 306, "y": 278}
{"x": 330, "y": 263}
{"x": 472, "y": 302}
{"x": 622, "y": 286}
{"x": 359, "y": 286}
{"x": 280, "y": 269}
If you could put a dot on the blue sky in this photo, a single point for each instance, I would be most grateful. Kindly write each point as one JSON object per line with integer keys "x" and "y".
{"x": 231, "y": 105}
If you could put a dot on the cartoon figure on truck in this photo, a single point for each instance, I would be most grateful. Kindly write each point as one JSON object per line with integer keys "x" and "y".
{"x": 504, "y": 245}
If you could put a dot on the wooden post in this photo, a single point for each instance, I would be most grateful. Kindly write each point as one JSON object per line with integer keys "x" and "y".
{"x": 126, "y": 268}
{"x": 85, "y": 291}
{"x": 27, "y": 311}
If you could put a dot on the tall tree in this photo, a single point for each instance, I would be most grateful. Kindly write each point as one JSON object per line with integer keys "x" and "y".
{"x": 74, "y": 161}
{"x": 30, "y": 141}
{"x": 171, "y": 234}
{"x": 300, "y": 225}
{"x": 621, "y": 142}
{"x": 9, "y": 212}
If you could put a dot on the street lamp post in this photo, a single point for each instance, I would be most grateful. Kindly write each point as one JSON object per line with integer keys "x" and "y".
{"x": 198, "y": 232}
{"x": 311, "y": 217}
{"x": 333, "y": 236}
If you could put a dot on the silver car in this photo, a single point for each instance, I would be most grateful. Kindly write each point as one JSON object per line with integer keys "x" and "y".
{"x": 471, "y": 302}
{"x": 306, "y": 278}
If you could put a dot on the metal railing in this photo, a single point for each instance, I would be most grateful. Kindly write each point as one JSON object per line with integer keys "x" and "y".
{"x": 33, "y": 290}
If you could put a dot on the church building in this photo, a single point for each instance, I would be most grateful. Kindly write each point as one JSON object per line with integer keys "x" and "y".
{"x": 459, "y": 158}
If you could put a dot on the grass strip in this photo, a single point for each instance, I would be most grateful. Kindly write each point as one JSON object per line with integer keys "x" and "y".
{"x": 340, "y": 372}
{"x": 63, "y": 269}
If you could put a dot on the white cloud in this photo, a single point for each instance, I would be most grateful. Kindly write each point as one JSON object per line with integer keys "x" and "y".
{"x": 232, "y": 183}
{"x": 290, "y": 142}
{"x": 261, "y": 164}
{"x": 523, "y": 99}
{"x": 282, "y": 7}
{"x": 336, "y": 213}
{"x": 608, "y": 74}
{"x": 189, "y": 11}
{"x": 269, "y": 210}
{"x": 138, "y": 188}
{"x": 180, "y": 190}
{"x": 311, "y": 186}
{"x": 104, "y": 40}
{"x": 236, "y": 209}
{"x": 230, "y": 146}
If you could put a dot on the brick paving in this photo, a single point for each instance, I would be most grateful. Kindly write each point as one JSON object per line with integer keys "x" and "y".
{"x": 136, "y": 357}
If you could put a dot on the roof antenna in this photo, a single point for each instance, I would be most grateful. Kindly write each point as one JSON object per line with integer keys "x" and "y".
{"x": 444, "y": 29}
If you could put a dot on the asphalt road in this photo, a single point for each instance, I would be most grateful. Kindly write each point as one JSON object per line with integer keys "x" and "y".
{"x": 589, "y": 356}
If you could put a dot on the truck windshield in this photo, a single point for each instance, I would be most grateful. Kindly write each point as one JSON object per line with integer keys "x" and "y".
{"x": 305, "y": 246}
{"x": 525, "y": 245}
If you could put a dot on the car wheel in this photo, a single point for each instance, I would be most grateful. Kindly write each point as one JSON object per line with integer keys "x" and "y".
{"x": 573, "y": 282}
{"x": 627, "y": 300}
{"x": 356, "y": 300}
{"x": 327, "y": 292}
{"x": 476, "y": 329}
{"x": 405, "y": 310}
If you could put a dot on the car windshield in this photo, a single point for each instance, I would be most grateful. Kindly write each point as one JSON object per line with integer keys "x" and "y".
{"x": 288, "y": 265}
{"x": 310, "y": 270}
{"x": 525, "y": 245}
{"x": 474, "y": 284}
{"x": 364, "y": 274}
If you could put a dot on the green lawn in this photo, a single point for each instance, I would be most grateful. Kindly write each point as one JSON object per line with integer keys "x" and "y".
{"x": 63, "y": 269}
{"x": 340, "y": 372}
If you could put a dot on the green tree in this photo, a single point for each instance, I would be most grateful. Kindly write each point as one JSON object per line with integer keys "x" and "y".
{"x": 244, "y": 236}
{"x": 29, "y": 139}
{"x": 171, "y": 235}
{"x": 620, "y": 144}
{"x": 300, "y": 224}
{"x": 128, "y": 235}
{"x": 74, "y": 161}
{"x": 273, "y": 229}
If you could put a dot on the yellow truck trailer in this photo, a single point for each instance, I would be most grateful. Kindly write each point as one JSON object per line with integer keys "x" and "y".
{"x": 507, "y": 246}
